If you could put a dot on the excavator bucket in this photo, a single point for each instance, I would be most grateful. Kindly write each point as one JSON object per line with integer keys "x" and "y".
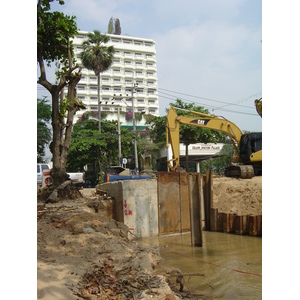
{"x": 244, "y": 172}
{"x": 258, "y": 105}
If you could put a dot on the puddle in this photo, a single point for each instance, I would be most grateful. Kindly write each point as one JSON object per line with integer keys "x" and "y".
{"x": 232, "y": 264}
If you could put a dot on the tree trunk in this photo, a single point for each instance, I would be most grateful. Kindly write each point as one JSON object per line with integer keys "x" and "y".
{"x": 99, "y": 115}
{"x": 57, "y": 173}
{"x": 73, "y": 108}
{"x": 61, "y": 133}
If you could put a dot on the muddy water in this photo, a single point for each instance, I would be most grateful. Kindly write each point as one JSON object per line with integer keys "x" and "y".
{"x": 232, "y": 264}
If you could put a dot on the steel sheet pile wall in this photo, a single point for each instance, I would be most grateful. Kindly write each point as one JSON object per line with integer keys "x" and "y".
{"x": 173, "y": 200}
{"x": 228, "y": 222}
{"x": 233, "y": 223}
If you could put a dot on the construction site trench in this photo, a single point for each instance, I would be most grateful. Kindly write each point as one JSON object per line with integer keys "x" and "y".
{"x": 84, "y": 253}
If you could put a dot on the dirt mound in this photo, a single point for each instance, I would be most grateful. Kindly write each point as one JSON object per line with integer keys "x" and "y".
{"x": 81, "y": 253}
{"x": 240, "y": 196}
{"x": 67, "y": 190}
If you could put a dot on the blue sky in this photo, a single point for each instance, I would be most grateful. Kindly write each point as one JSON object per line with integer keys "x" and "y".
{"x": 208, "y": 52}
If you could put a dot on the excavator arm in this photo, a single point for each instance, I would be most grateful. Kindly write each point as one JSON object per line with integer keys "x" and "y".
{"x": 199, "y": 120}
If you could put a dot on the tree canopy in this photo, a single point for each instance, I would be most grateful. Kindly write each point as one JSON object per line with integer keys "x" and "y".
{"x": 89, "y": 146}
{"x": 96, "y": 55}
{"x": 53, "y": 33}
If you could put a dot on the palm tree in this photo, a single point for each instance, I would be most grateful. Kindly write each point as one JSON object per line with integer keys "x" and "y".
{"x": 97, "y": 57}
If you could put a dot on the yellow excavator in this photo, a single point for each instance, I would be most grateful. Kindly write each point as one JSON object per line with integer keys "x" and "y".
{"x": 247, "y": 161}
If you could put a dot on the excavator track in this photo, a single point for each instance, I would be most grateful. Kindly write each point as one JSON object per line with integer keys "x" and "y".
{"x": 243, "y": 171}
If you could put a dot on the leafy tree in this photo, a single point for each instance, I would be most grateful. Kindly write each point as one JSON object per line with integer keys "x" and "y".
{"x": 218, "y": 164}
{"x": 157, "y": 127}
{"x": 54, "y": 31}
{"x": 43, "y": 131}
{"x": 89, "y": 146}
{"x": 97, "y": 57}
{"x": 147, "y": 145}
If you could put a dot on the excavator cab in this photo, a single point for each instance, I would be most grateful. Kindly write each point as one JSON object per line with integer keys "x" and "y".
{"x": 250, "y": 151}
{"x": 250, "y": 143}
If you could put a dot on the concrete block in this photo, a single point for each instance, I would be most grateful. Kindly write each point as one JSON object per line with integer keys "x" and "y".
{"x": 136, "y": 205}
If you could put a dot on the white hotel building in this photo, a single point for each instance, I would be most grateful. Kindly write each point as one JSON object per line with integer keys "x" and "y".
{"x": 134, "y": 65}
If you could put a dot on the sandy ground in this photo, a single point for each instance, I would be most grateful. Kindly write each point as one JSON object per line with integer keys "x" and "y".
{"x": 80, "y": 250}
{"x": 240, "y": 196}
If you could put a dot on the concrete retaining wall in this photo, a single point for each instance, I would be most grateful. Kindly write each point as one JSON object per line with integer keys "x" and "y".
{"x": 135, "y": 204}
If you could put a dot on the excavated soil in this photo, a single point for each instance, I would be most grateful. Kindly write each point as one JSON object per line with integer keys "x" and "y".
{"x": 239, "y": 196}
{"x": 84, "y": 254}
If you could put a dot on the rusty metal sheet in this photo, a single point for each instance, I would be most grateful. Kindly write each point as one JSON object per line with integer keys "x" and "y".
{"x": 174, "y": 200}
{"x": 195, "y": 211}
{"x": 184, "y": 202}
{"x": 169, "y": 219}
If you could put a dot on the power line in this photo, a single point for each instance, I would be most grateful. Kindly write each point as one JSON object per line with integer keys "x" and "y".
{"x": 193, "y": 96}
{"x": 171, "y": 97}
{"x": 210, "y": 106}
{"x": 212, "y": 100}
{"x": 236, "y": 103}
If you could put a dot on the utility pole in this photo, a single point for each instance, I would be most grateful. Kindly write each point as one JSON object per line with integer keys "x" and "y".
{"x": 119, "y": 125}
{"x": 99, "y": 103}
{"x": 119, "y": 136}
{"x": 134, "y": 128}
